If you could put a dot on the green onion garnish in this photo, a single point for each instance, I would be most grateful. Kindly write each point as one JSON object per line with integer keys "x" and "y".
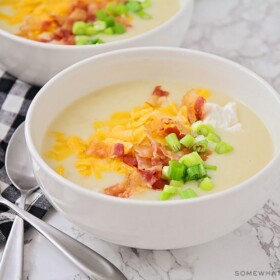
{"x": 133, "y": 6}
{"x": 191, "y": 159}
{"x": 173, "y": 142}
{"x": 204, "y": 129}
{"x": 187, "y": 141}
{"x": 101, "y": 14}
{"x": 223, "y": 148}
{"x": 170, "y": 189}
{"x": 165, "y": 195}
{"x": 210, "y": 167}
{"x": 99, "y": 25}
{"x": 196, "y": 172}
{"x": 213, "y": 137}
{"x": 119, "y": 28}
{"x": 176, "y": 170}
{"x": 146, "y": 4}
{"x": 188, "y": 193}
{"x": 79, "y": 28}
{"x": 206, "y": 184}
{"x": 121, "y": 9}
{"x": 144, "y": 15}
{"x": 200, "y": 146}
{"x": 81, "y": 40}
{"x": 177, "y": 184}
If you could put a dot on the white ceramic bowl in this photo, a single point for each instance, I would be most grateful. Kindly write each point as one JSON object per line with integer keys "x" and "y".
{"x": 36, "y": 62}
{"x": 155, "y": 224}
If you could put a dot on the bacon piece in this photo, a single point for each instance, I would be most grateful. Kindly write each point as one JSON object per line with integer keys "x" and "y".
{"x": 118, "y": 149}
{"x": 159, "y": 184}
{"x": 194, "y": 104}
{"x": 153, "y": 178}
{"x": 115, "y": 190}
{"x": 130, "y": 160}
{"x": 159, "y": 92}
{"x": 99, "y": 149}
{"x": 131, "y": 184}
{"x": 175, "y": 130}
{"x": 157, "y": 97}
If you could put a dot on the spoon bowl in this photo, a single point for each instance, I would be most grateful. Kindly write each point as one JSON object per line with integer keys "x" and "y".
{"x": 17, "y": 162}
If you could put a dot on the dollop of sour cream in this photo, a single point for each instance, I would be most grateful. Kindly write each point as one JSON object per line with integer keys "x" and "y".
{"x": 224, "y": 117}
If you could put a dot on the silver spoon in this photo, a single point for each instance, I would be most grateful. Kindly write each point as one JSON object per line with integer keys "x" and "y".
{"x": 90, "y": 262}
{"x": 20, "y": 174}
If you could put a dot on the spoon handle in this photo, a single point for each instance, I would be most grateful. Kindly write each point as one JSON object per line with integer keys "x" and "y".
{"x": 90, "y": 262}
{"x": 12, "y": 258}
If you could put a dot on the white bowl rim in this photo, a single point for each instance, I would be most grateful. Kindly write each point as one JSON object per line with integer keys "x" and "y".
{"x": 117, "y": 200}
{"x": 117, "y": 43}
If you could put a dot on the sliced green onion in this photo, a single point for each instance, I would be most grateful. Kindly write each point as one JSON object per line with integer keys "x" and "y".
{"x": 213, "y": 137}
{"x": 121, "y": 9}
{"x": 108, "y": 31}
{"x": 195, "y": 125}
{"x": 210, "y": 167}
{"x": 79, "y": 28}
{"x": 110, "y": 21}
{"x": 173, "y": 142}
{"x": 119, "y": 28}
{"x": 176, "y": 170}
{"x": 177, "y": 184}
{"x": 200, "y": 146}
{"x": 165, "y": 196}
{"x": 223, "y": 148}
{"x": 170, "y": 189}
{"x": 81, "y": 40}
{"x": 111, "y": 8}
{"x": 144, "y": 15}
{"x": 196, "y": 172}
{"x": 187, "y": 141}
{"x": 90, "y": 30}
{"x": 188, "y": 193}
{"x": 94, "y": 41}
{"x": 164, "y": 172}
{"x": 101, "y": 14}
{"x": 146, "y": 4}
{"x": 191, "y": 159}
{"x": 133, "y": 6}
{"x": 99, "y": 25}
{"x": 204, "y": 129}
{"x": 206, "y": 184}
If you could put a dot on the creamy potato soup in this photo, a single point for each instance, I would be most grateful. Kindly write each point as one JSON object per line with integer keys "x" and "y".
{"x": 157, "y": 140}
{"x": 83, "y": 22}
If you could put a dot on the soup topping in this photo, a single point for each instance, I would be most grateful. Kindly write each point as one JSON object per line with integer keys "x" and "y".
{"x": 158, "y": 145}
{"x": 74, "y": 22}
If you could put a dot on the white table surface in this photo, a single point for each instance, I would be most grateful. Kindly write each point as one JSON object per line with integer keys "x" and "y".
{"x": 248, "y": 32}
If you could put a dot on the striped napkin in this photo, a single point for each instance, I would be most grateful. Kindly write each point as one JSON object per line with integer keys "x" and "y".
{"x": 15, "y": 98}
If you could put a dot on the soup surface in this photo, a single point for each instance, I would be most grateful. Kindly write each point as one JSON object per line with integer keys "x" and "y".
{"x": 133, "y": 122}
{"x": 83, "y": 22}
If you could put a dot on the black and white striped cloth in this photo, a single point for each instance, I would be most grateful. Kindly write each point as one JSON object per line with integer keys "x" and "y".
{"x": 15, "y": 98}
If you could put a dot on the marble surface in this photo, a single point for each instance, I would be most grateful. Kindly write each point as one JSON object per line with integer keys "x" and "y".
{"x": 248, "y": 32}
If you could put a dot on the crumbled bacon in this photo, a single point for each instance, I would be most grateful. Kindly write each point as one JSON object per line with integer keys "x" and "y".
{"x": 129, "y": 186}
{"x": 99, "y": 149}
{"x": 118, "y": 149}
{"x": 153, "y": 178}
{"x": 130, "y": 160}
{"x": 174, "y": 129}
{"x": 159, "y": 92}
{"x": 158, "y": 96}
{"x": 194, "y": 104}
